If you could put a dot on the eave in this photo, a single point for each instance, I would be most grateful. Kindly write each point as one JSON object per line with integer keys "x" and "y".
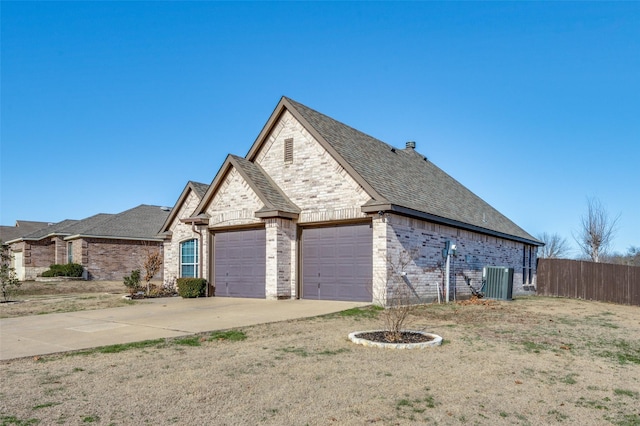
{"x": 371, "y": 208}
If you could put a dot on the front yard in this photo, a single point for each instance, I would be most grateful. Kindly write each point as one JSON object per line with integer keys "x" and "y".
{"x": 37, "y": 298}
{"x": 531, "y": 361}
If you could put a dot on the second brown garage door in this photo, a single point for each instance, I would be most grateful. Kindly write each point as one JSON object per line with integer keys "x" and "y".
{"x": 239, "y": 263}
{"x": 337, "y": 263}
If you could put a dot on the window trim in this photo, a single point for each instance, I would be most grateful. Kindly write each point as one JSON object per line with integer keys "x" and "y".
{"x": 196, "y": 258}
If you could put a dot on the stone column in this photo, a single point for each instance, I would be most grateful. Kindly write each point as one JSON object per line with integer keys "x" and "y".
{"x": 380, "y": 254}
{"x": 280, "y": 261}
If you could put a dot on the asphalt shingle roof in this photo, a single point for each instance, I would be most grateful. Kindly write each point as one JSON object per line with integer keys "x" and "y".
{"x": 267, "y": 190}
{"x": 22, "y": 228}
{"x": 199, "y": 188}
{"x": 142, "y": 222}
{"x": 56, "y": 228}
{"x": 405, "y": 178}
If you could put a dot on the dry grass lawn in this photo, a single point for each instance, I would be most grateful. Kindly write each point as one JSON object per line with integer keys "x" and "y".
{"x": 532, "y": 361}
{"x": 37, "y": 298}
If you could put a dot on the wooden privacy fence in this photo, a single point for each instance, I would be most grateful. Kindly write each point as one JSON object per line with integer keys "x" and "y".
{"x": 578, "y": 279}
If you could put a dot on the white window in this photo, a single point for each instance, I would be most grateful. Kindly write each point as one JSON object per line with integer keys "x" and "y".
{"x": 189, "y": 259}
{"x": 69, "y": 252}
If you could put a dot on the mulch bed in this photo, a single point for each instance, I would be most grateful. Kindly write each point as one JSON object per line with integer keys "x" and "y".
{"x": 386, "y": 337}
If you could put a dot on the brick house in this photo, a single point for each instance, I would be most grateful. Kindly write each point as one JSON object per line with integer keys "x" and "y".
{"x": 320, "y": 210}
{"x": 109, "y": 246}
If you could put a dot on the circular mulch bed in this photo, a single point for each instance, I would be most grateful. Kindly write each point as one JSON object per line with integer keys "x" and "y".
{"x": 408, "y": 339}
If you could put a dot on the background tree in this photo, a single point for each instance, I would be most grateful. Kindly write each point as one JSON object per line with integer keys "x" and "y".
{"x": 597, "y": 230}
{"x": 631, "y": 257}
{"x": 555, "y": 246}
{"x": 8, "y": 278}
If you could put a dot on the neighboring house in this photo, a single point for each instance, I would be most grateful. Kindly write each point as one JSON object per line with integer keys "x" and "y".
{"x": 319, "y": 210}
{"x": 21, "y": 228}
{"x": 108, "y": 246}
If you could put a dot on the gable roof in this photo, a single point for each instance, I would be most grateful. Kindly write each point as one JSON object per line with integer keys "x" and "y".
{"x": 139, "y": 223}
{"x": 21, "y": 228}
{"x": 60, "y": 228}
{"x": 400, "y": 180}
{"x": 276, "y": 203}
{"x": 199, "y": 189}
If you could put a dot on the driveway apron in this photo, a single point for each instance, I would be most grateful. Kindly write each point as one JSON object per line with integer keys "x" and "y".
{"x": 152, "y": 319}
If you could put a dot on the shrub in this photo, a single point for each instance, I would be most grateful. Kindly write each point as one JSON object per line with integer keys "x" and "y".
{"x": 68, "y": 270}
{"x": 191, "y": 287}
{"x": 132, "y": 282}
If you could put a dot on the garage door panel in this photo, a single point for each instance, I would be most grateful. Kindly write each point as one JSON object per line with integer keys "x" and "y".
{"x": 239, "y": 263}
{"x": 337, "y": 263}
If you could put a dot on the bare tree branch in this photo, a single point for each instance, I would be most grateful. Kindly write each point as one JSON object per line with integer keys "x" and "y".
{"x": 597, "y": 230}
{"x": 555, "y": 246}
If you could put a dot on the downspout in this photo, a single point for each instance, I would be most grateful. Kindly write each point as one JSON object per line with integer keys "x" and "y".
{"x": 193, "y": 229}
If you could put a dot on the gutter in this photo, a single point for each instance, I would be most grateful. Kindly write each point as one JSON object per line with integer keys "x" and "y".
{"x": 384, "y": 207}
{"x": 112, "y": 237}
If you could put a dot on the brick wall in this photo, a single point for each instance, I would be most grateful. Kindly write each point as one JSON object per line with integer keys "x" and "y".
{"x": 113, "y": 259}
{"x": 37, "y": 256}
{"x": 421, "y": 243}
{"x": 60, "y": 250}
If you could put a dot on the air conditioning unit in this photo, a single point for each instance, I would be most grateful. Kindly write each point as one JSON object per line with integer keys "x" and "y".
{"x": 497, "y": 282}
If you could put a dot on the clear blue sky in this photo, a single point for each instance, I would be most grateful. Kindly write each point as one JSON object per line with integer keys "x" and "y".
{"x": 532, "y": 106}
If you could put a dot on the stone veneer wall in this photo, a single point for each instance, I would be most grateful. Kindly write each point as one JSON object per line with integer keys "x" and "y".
{"x": 314, "y": 180}
{"x": 235, "y": 203}
{"x": 180, "y": 232}
{"x": 114, "y": 259}
{"x": 422, "y": 242}
{"x": 280, "y": 265}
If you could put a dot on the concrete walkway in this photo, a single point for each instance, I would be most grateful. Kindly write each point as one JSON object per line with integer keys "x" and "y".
{"x": 153, "y": 319}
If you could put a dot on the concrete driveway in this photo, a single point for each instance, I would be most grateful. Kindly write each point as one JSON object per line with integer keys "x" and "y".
{"x": 153, "y": 319}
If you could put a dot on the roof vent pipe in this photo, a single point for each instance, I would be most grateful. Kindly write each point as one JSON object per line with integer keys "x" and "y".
{"x": 411, "y": 145}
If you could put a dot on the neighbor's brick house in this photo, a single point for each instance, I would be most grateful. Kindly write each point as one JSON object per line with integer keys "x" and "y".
{"x": 320, "y": 210}
{"x": 108, "y": 246}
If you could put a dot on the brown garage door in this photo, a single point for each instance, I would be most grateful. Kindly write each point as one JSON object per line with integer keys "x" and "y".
{"x": 337, "y": 263}
{"x": 239, "y": 263}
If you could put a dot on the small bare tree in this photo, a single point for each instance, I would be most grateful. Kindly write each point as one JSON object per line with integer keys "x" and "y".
{"x": 597, "y": 230}
{"x": 399, "y": 303}
{"x": 152, "y": 264}
{"x": 8, "y": 279}
{"x": 555, "y": 246}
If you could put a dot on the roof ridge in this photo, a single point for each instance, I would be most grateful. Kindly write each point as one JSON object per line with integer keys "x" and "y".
{"x": 298, "y": 104}
{"x": 406, "y": 180}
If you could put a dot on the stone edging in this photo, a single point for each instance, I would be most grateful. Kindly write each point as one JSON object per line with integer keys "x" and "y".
{"x": 57, "y": 279}
{"x": 437, "y": 341}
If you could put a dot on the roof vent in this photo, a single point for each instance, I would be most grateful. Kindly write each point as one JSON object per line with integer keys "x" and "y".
{"x": 165, "y": 209}
{"x": 411, "y": 145}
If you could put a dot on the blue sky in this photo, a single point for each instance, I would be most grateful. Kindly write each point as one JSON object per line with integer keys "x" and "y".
{"x": 532, "y": 106}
